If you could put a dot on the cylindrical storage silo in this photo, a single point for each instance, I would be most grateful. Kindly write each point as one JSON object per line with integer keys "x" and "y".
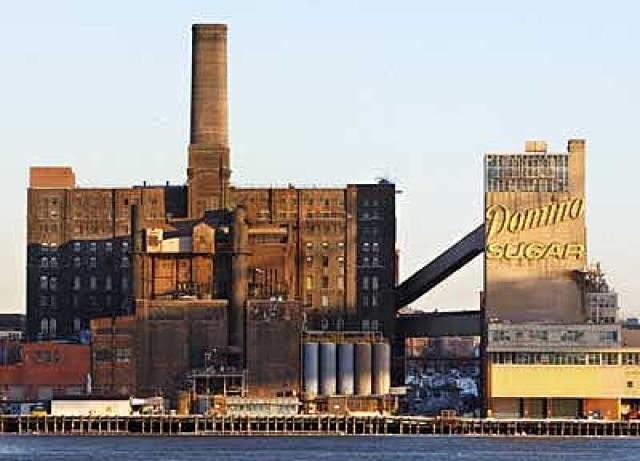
{"x": 345, "y": 369}
{"x": 381, "y": 368}
{"x": 310, "y": 373}
{"x": 327, "y": 368}
{"x": 363, "y": 368}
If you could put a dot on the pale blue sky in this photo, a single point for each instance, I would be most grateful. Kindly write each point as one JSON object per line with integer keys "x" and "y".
{"x": 328, "y": 93}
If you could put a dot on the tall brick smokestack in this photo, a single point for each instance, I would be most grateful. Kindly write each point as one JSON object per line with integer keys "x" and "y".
{"x": 208, "y": 172}
{"x": 209, "y": 124}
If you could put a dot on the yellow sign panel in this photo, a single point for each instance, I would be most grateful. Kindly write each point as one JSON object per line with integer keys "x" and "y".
{"x": 534, "y": 251}
{"x": 500, "y": 220}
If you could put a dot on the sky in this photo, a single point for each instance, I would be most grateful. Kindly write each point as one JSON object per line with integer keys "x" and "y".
{"x": 329, "y": 93}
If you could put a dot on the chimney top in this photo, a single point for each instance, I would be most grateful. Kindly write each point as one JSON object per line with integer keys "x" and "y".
{"x": 576, "y": 144}
{"x": 535, "y": 146}
{"x": 209, "y": 29}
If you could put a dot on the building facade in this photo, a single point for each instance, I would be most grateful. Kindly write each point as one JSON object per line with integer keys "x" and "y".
{"x": 172, "y": 282}
{"x": 535, "y": 234}
{"x": 331, "y": 249}
{"x": 554, "y": 345}
{"x": 43, "y": 370}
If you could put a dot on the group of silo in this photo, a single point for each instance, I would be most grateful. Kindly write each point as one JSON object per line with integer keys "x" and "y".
{"x": 346, "y": 368}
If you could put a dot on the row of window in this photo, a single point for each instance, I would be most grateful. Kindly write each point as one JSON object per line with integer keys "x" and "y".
{"x": 370, "y": 215}
{"x": 369, "y": 233}
{"x": 324, "y": 245}
{"x": 602, "y": 319}
{"x": 565, "y": 336}
{"x": 48, "y": 301}
{"x": 370, "y": 282}
{"x": 119, "y": 354}
{"x": 365, "y": 325}
{"x": 49, "y": 326}
{"x": 373, "y": 261}
{"x": 46, "y": 248}
{"x": 564, "y": 358}
{"x": 323, "y": 201}
{"x": 367, "y": 300}
{"x": 48, "y": 283}
{"x": 528, "y": 161}
{"x": 93, "y": 283}
{"x": 527, "y": 173}
{"x": 266, "y": 214}
{"x": 107, "y": 247}
{"x": 324, "y": 214}
{"x": 526, "y": 185}
{"x": 324, "y": 300}
{"x": 309, "y": 260}
{"x": 332, "y": 227}
{"x": 370, "y": 246}
{"x": 95, "y": 246}
{"x": 52, "y": 301}
{"x": 293, "y": 214}
{"x": 324, "y": 282}
{"x": 49, "y": 263}
{"x": 92, "y": 262}
{"x": 291, "y": 201}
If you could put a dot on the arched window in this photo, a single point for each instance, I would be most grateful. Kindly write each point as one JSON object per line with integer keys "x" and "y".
{"x": 52, "y": 326}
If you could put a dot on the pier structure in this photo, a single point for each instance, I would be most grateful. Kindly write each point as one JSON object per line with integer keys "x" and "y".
{"x": 306, "y": 425}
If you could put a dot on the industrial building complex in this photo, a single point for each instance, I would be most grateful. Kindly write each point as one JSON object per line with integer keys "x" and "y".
{"x": 213, "y": 298}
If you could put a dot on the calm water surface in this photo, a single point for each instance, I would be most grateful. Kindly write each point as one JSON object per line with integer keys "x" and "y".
{"x": 315, "y": 448}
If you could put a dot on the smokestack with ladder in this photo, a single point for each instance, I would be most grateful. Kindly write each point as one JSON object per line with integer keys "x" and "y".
{"x": 208, "y": 172}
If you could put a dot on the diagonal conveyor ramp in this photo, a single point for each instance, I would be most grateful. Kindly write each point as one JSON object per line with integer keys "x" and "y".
{"x": 440, "y": 268}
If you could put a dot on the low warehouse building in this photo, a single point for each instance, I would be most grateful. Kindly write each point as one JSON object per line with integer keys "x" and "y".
{"x": 44, "y": 370}
{"x": 90, "y": 407}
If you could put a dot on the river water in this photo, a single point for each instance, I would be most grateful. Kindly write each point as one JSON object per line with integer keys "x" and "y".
{"x": 403, "y": 448}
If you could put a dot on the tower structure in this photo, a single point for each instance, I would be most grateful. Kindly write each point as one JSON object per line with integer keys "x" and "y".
{"x": 208, "y": 172}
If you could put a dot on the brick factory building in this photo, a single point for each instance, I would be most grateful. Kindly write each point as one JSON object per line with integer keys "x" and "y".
{"x": 147, "y": 266}
{"x": 44, "y": 370}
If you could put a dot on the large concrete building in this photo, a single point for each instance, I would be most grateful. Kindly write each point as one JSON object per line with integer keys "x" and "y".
{"x": 535, "y": 234}
{"x": 158, "y": 255}
{"x": 555, "y": 346}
